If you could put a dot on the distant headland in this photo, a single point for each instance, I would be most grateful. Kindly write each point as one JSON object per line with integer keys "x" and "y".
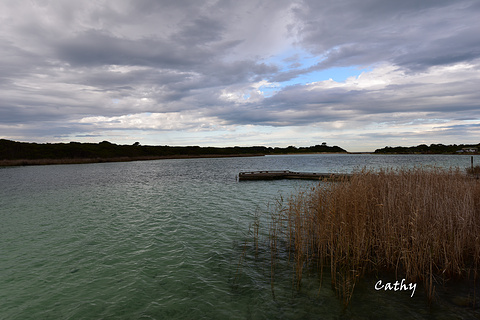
{"x": 13, "y": 153}
{"x": 432, "y": 149}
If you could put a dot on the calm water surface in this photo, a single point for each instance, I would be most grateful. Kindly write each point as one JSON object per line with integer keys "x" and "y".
{"x": 163, "y": 240}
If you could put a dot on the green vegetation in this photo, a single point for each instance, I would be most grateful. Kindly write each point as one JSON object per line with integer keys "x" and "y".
{"x": 15, "y": 153}
{"x": 432, "y": 149}
{"x": 418, "y": 224}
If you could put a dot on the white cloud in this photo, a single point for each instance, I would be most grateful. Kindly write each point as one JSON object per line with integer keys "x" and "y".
{"x": 154, "y": 121}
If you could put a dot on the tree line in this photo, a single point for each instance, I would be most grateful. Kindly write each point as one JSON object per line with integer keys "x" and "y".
{"x": 13, "y": 150}
{"x": 431, "y": 149}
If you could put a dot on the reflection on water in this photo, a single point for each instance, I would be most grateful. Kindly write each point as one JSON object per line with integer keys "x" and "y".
{"x": 164, "y": 239}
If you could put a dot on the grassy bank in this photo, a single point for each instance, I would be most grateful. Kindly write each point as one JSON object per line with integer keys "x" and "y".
{"x": 422, "y": 225}
{"x": 36, "y": 162}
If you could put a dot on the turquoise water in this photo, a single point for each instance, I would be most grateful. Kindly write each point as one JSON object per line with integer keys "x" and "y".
{"x": 163, "y": 240}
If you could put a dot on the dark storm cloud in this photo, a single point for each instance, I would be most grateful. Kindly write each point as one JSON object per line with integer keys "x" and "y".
{"x": 64, "y": 61}
{"x": 94, "y": 48}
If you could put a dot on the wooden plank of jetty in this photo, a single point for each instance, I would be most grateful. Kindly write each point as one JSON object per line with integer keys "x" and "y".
{"x": 286, "y": 174}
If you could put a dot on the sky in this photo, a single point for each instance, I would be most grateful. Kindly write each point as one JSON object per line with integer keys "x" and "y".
{"x": 361, "y": 75}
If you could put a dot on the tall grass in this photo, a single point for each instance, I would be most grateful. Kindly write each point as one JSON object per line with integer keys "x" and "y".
{"x": 421, "y": 224}
{"x": 474, "y": 171}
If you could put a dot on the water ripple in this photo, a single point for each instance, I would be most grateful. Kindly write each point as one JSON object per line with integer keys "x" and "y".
{"x": 148, "y": 240}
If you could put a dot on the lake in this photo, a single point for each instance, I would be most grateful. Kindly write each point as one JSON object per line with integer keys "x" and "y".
{"x": 169, "y": 239}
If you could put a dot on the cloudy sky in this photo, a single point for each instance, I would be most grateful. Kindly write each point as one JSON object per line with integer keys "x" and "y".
{"x": 358, "y": 74}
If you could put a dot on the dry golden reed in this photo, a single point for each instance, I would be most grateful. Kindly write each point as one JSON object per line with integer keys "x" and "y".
{"x": 423, "y": 224}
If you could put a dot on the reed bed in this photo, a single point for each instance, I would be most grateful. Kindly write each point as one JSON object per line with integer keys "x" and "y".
{"x": 420, "y": 224}
{"x": 474, "y": 171}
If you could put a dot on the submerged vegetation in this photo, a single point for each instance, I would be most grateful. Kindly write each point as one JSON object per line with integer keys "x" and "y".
{"x": 418, "y": 224}
{"x": 23, "y": 153}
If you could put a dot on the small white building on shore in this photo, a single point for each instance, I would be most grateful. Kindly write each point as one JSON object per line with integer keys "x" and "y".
{"x": 468, "y": 150}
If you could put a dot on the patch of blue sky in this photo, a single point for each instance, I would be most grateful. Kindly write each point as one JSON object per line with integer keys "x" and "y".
{"x": 336, "y": 74}
{"x": 300, "y": 60}
{"x": 267, "y": 90}
{"x": 339, "y": 74}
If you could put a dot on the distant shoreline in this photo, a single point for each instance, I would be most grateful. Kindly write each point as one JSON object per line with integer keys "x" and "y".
{"x": 53, "y": 161}
{"x": 42, "y": 162}
{"x": 14, "y": 153}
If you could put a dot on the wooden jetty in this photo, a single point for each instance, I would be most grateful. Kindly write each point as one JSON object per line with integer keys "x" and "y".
{"x": 286, "y": 174}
